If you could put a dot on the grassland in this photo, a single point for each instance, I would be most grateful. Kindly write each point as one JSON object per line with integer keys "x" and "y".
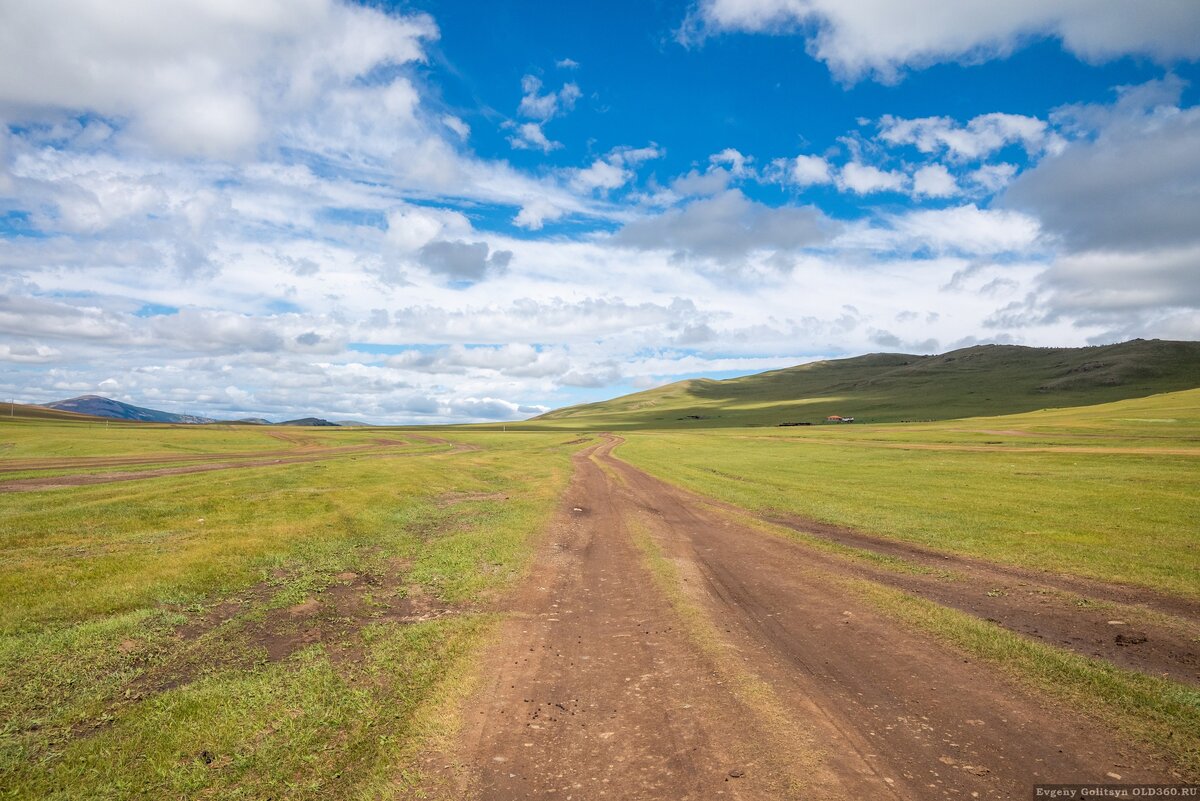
{"x": 1106, "y": 491}
{"x": 294, "y": 630}
{"x": 278, "y": 632}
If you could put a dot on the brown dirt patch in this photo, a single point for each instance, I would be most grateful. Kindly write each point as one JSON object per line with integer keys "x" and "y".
{"x": 1066, "y": 611}
{"x": 333, "y": 617}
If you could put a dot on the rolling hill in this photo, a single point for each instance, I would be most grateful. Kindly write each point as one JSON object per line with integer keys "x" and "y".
{"x": 95, "y": 406}
{"x": 25, "y": 412}
{"x": 893, "y": 387}
{"x": 98, "y": 406}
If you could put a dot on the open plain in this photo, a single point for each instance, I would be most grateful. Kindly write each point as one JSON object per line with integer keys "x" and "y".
{"x": 956, "y": 609}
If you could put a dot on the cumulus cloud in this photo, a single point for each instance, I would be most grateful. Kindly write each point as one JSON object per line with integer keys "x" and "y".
{"x": 538, "y": 106}
{"x": 864, "y": 179}
{"x": 463, "y": 261}
{"x": 728, "y": 226}
{"x": 992, "y": 177}
{"x": 804, "y": 170}
{"x": 613, "y": 170}
{"x": 204, "y": 79}
{"x": 964, "y": 229}
{"x": 977, "y": 139}
{"x": 934, "y": 180}
{"x": 530, "y": 136}
{"x": 879, "y": 38}
{"x": 1130, "y": 181}
{"x": 514, "y": 360}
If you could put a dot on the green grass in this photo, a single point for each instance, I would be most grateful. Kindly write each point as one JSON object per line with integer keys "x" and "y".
{"x": 889, "y": 387}
{"x": 101, "y": 698}
{"x": 34, "y": 438}
{"x": 1131, "y": 514}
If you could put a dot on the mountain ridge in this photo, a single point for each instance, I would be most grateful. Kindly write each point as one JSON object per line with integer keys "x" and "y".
{"x": 98, "y": 406}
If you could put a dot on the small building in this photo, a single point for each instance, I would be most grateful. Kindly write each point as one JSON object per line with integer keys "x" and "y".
{"x": 837, "y": 418}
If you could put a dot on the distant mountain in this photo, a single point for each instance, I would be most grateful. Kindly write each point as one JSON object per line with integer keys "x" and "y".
{"x": 98, "y": 406}
{"x": 253, "y": 421}
{"x": 307, "y": 421}
{"x": 351, "y": 423}
{"x": 889, "y": 387}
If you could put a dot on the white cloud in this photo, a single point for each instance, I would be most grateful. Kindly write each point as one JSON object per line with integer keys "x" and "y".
{"x": 863, "y": 179}
{"x": 530, "y": 136}
{"x": 732, "y": 159}
{"x": 934, "y": 180}
{"x": 728, "y": 227}
{"x": 967, "y": 229}
{"x": 412, "y": 227}
{"x": 977, "y": 139}
{"x": 805, "y": 170}
{"x": 546, "y": 106}
{"x": 457, "y": 125}
{"x": 613, "y": 171}
{"x": 857, "y": 38}
{"x": 207, "y": 79}
{"x": 993, "y": 177}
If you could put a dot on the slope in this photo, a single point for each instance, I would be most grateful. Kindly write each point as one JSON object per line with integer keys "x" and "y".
{"x": 892, "y": 387}
{"x": 98, "y": 406}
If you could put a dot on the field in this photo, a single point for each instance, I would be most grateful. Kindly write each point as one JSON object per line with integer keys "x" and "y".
{"x": 248, "y": 633}
{"x": 951, "y": 608}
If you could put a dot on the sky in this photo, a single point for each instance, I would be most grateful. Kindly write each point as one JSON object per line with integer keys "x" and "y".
{"x": 437, "y": 211}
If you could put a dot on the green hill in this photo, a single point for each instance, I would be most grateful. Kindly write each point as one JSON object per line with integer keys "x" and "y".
{"x": 892, "y": 387}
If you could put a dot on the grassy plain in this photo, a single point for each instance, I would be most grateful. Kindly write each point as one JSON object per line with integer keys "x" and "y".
{"x": 294, "y": 630}
{"x": 1107, "y": 491}
{"x": 274, "y": 632}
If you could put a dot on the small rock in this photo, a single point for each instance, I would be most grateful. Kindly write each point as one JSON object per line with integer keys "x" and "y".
{"x": 1113, "y": 776}
{"x": 736, "y": 773}
{"x": 1116, "y": 622}
{"x": 976, "y": 770}
{"x": 576, "y": 509}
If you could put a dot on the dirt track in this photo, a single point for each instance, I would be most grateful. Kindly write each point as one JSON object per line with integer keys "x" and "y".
{"x": 776, "y": 686}
{"x": 197, "y": 463}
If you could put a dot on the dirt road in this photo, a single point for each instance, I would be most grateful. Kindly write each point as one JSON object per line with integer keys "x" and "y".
{"x": 198, "y": 463}
{"x": 735, "y": 669}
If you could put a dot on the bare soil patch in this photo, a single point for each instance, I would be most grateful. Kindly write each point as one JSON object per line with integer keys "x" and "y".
{"x": 332, "y": 617}
{"x": 1133, "y": 627}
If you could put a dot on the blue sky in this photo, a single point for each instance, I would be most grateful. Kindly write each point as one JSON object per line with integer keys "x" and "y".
{"x": 436, "y": 211}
